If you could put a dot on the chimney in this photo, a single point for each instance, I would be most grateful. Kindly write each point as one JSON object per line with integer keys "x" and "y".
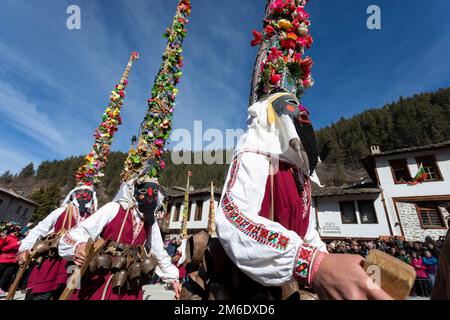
{"x": 375, "y": 149}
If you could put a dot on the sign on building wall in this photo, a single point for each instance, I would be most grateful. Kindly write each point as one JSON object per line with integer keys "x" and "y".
{"x": 331, "y": 228}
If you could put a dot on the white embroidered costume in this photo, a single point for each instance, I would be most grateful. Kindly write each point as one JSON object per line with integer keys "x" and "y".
{"x": 92, "y": 228}
{"x": 46, "y": 226}
{"x": 267, "y": 252}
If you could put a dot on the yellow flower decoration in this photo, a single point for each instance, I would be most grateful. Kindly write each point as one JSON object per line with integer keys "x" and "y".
{"x": 284, "y": 24}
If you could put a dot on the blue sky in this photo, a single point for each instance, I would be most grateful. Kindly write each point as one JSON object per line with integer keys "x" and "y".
{"x": 55, "y": 83}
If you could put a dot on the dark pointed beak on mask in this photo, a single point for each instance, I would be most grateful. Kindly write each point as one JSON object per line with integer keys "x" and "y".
{"x": 146, "y": 195}
{"x": 307, "y": 135}
{"x": 84, "y": 198}
{"x": 289, "y": 105}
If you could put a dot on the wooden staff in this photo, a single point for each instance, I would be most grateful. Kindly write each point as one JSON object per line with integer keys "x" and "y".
{"x": 185, "y": 215}
{"x": 91, "y": 251}
{"x": 212, "y": 213}
{"x": 23, "y": 268}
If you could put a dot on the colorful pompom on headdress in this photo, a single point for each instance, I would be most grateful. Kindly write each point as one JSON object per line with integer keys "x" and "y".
{"x": 280, "y": 65}
{"x": 146, "y": 157}
{"x": 92, "y": 170}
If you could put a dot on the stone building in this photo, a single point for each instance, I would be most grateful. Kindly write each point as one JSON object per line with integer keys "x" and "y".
{"x": 15, "y": 206}
{"x": 391, "y": 205}
{"x": 415, "y": 211}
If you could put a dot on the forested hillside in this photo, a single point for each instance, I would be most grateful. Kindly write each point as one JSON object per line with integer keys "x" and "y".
{"x": 52, "y": 180}
{"x": 419, "y": 120}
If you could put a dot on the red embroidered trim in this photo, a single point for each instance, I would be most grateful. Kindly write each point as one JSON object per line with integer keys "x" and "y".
{"x": 244, "y": 224}
{"x": 303, "y": 263}
{"x": 137, "y": 228}
{"x": 306, "y": 197}
{"x": 69, "y": 240}
{"x": 77, "y": 215}
{"x": 316, "y": 261}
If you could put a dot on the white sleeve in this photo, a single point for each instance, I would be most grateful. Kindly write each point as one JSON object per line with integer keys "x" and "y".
{"x": 165, "y": 269}
{"x": 91, "y": 228}
{"x": 264, "y": 250}
{"x": 312, "y": 236}
{"x": 44, "y": 228}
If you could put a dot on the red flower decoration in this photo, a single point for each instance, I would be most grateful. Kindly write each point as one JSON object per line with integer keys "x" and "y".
{"x": 257, "y": 38}
{"x": 302, "y": 14}
{"x": 277, "y": 6}
{"x": 288, "y": 44}
{"x": 274, "y": 54}
{"x": 283, "y": 241}
{"x": 305, "y": 254}
{"x": 264, "y": 233}
{"x": 275, "y": 79}
{"x": 269, "y": 30}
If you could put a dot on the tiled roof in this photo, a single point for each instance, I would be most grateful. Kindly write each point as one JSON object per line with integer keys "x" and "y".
{"x": 342, "y": 191}
{"x": 16, "y": 195}
{"x": 418, "y": 148}
{"x": 172, "y": 192}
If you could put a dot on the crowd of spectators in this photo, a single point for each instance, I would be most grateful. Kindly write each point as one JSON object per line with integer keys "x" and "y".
{"x": 422, "y": 256}
{"x": 11, "y": 234}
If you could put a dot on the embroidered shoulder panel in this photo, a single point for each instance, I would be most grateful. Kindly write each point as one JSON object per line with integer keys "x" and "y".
{"x": 244, "y": 224}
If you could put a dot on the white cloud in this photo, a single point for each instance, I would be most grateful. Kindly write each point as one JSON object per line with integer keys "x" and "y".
{"x": 23, "y": 115}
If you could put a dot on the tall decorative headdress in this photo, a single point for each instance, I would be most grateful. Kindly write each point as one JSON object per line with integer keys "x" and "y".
{"x": 92, "y": 170}
{"x": 280, "y": 64}
{"x": 146, "y": 157}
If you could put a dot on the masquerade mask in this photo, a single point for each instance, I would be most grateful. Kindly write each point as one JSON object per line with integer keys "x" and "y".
{"x": 146, "y": 195}
{"x": 288, "y": 105}
{"x": 84, "y": 199}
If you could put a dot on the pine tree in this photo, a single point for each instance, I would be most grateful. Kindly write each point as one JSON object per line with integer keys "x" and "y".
{"x": 27, "y": 171}
{"x": 48, "y": 200}
{"x": 6, "y": 177}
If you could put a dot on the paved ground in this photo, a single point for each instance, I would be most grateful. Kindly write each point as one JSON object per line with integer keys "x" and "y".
{"x": 159, "y": 292}
{"x": 151, "y": 292}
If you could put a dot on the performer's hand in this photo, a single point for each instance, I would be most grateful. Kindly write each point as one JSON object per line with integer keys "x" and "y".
{"x": 22, "y": 258}
{"x": 341, "y": 277}
{"x": 177, "y": 287}
{"x": 80, "y": 256}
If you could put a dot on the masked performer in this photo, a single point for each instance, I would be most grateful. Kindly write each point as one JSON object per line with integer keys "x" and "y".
{"x": 128, "y": 223}
{"x": 264, "y": 221}
{"x": 49, "y": 275}
{"x": 129, "y": 226}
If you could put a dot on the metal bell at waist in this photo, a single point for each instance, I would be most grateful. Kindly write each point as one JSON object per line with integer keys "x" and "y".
{"x": 119, "y": 279}
{"x": 104, "y": 262}
{"x": 118, "y": 263}
{"x": 148, "y": 265}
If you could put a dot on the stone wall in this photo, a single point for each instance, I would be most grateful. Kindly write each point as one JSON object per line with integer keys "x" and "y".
{"x": 409, "y": 219}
